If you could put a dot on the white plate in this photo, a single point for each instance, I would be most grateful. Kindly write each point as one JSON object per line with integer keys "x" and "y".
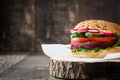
{"x": 62, "y": 52}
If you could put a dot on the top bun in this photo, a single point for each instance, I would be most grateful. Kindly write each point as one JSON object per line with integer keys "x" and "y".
{"x": 100, "y": 25}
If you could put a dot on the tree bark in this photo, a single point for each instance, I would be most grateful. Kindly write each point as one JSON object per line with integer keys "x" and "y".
{"x": 84, "y": 70}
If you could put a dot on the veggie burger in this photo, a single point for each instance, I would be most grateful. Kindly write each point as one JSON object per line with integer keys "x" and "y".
{"x": 95, "y": 38}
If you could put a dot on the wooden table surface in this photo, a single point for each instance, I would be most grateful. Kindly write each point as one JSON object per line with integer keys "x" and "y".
{"x": 24, "y": 66}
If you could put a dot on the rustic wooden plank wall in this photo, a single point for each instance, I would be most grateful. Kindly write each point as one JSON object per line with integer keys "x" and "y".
{"x": 3, "y": 24}
{"x": 17, "y": 30}
{"x": 25, "y": 24}
{"x": 54, "y": 18}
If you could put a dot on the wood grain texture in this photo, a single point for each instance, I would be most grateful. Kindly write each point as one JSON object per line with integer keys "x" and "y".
{"x": 84, "y": 70}
{"x": 32, "y": 67}
{"x": 24, "y": 25}
{"x": 9, "y": 59}
{"x": 17, "y": 30}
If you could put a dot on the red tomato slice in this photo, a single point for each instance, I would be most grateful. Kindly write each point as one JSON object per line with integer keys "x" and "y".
{"x": 102, "y": 39}
{"x": 78, "y": 40}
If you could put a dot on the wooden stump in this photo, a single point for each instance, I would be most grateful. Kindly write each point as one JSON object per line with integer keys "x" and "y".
{"x": 85, "y": 70}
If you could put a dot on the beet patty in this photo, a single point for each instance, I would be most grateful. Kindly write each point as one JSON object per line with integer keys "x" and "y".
{"x": 91, "y": 45}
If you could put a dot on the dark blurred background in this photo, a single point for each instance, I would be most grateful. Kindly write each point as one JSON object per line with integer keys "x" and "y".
{"x": 26, "y": 24}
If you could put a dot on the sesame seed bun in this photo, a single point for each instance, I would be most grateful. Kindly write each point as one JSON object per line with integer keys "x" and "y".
{"x": 100, "y": 25}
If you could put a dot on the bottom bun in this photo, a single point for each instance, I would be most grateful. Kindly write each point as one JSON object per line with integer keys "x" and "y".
{"x": 100, "y": 54}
